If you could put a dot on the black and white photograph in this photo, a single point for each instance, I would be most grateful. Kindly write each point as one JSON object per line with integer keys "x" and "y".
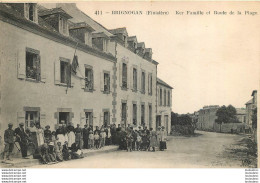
{"x": 129, "y": 84}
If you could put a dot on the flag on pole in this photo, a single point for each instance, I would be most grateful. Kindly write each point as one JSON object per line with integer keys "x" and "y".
{"x": 74, "y": 64}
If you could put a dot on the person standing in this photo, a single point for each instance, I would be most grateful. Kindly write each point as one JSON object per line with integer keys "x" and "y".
{"x": 47, "y": 134}
{"x": 39, "y": 134}
{"x": 153, "y": 139}
{"x": 85, "y": 136}
{"x": 9, "y": 142}
{"x": 22, "y": 138}
{"x": 78, "y": 136}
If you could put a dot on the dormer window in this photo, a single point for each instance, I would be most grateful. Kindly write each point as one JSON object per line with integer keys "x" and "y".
{"x": 101, "y": 41}
{"x": 63, "y": 25}
{"x": 31, "y": 12}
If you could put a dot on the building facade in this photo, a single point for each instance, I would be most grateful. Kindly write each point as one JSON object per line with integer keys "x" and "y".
{"x": 164, "y": 107}
{"x": 207, "y": 117}
{"x": 250, "y": 106}
{"x": 115, "y": 81}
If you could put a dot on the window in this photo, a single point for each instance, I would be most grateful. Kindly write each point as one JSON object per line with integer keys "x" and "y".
{"x": 89, "y": 79}
{"x": 160, "y": 97}
{"x": 33, "y": 70}
{"x": 150, "y": 116}
{"x": 135, "y": 79}
{"x": 64, "y": 118}
{"x": 143, "y": 82}
{"x": 134, "y": 114}
{"x": 106, "y": 82}
{"x": 123, "y": 114}
{"x": 150, "y": 84}
{"x": 65, "y": 72}
{"x": 142, "y": 114}
{"x": 124, "y": 76}
{"x": 169, "y": 98}
{"x": 106, "y": 118}
{"x": 31, "y": 117}
{"x": 89, "y": 118}
{"x": 30, "y": 12}
{"x": 164, "y": 97}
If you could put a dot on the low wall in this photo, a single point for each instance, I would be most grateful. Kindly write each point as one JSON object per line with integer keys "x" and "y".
{"x": 230, "y": 128}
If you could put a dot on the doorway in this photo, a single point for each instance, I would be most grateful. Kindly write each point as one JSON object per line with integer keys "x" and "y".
{"x": 64, "y": 118}
{"x": 158, "y": 121}
{"x": 123, "y": 117}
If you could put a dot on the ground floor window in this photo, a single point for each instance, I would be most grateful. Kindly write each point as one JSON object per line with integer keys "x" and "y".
{"x": 123, "y": 112}
{"x": 64, "y": 118}
{"x": 158, "y": 121}
{"x": 89, "y": 118}
{"x": 150, "y": 116}
{"x": 134, "y": 114}
{"x": 106, "y": 118}
{"x": 31, "y": 117}
{"x": 142, "y": 114}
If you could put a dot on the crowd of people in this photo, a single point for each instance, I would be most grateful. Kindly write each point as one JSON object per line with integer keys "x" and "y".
{"x": 67, "y": 141}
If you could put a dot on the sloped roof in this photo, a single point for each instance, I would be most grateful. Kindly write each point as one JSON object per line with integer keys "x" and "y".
{"x": 249, "y": 102}
{"x": 148, "y": 50}
{"x": 163, "y": 83}
{"x": 241, "y": 111}
{"x": 121, "y": 30}
{"x": 54, "y": 11}
{"x": 79, "y": 16}
{"x": 255, "y": 91}
{"x": 81, "y": 25}
{"x": 132, "y": 38}
{"x": 141, "y": 44}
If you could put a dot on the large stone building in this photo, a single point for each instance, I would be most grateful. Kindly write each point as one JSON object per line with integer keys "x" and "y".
{"x": 115, "y": 82}
{"x": 164, "y": 99}
{"x": 207, "y": 117}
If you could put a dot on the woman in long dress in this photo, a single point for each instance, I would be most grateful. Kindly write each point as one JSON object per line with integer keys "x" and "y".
{"x": 60, "y": 135}
{"x": 39, "y": 134}
{"x": 71, "y": 138}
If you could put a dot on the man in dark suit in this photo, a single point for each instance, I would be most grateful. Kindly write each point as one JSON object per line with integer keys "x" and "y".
{"x": 85, "y": 136}
{"x": 9, "y": 142}
{"x": 21, "y": 138}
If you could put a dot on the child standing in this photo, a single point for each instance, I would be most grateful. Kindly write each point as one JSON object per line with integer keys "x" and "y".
{"x": 91, "y": 140}
{"x": 138, "y": 142}
{"x": 96, "y": 140}
{"x": 58, "y": 151}
{"x": 103, "y": 138}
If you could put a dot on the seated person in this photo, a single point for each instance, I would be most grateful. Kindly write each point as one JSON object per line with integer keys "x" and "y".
{"x": 76, "y": 152}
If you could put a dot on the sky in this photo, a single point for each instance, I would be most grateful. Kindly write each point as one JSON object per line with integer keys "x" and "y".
{"x": 207, "y": 59}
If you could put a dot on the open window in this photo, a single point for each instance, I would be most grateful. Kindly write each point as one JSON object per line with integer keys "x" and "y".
{"x": 65, "y": 72}
{"x": 106, "y": 82}
{"x": 31, "y": 12}
{"x": 33, "y": 69}
{"x": 134, "y": 114}
{"x": 124, "y": 76}
{"x": 89, "y": 78}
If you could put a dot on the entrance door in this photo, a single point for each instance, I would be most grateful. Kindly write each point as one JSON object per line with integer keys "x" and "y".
{"x": 123, "y": 120}
{"x": 106, "y": 118}
{"x": 166, "y": 123}
{"x": 64, "y": 118}
{"x": 158, "y": 121}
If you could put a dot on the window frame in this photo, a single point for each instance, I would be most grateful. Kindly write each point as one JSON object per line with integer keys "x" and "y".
{"x": 90, "y": 68}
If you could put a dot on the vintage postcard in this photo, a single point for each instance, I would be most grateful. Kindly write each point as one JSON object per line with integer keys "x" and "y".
{"x": 129, "y": 84}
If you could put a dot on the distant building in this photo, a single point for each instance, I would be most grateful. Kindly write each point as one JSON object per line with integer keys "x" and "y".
{"x": 206, "y": 118}
{"x": 241, "y": 115}
{"x": 250, "y": 106}
{"x": 164, "y": 105}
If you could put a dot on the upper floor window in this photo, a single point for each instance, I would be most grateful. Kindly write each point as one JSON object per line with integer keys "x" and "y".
{"x": 143, "y": 82}
{"x": 89, "y": 79}
{"x": 124, "y": 76}
{"x": 31, "y": 12}
{"x": 33, "y": 69}
{"x": 65, "y": 72}
{"x": 160, "y": 97}
{"x": 150, "y": 84}
{"x": 106, "y": 82}
{"x": 169, "y": 98}
{"x": 164, "y": 97}
{"x": 135, "y": 79}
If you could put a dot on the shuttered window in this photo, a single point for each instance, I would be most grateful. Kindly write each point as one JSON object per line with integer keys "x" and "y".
{"x": 65, "y": 73}
{"x": 33, "y": 65}
{"x": 124, "y": 76}
{"x": 89, "y": 79}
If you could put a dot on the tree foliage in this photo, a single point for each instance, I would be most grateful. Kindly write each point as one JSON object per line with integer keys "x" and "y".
{"x": 226, "y": 115}
{"x": 182, "y": 119}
